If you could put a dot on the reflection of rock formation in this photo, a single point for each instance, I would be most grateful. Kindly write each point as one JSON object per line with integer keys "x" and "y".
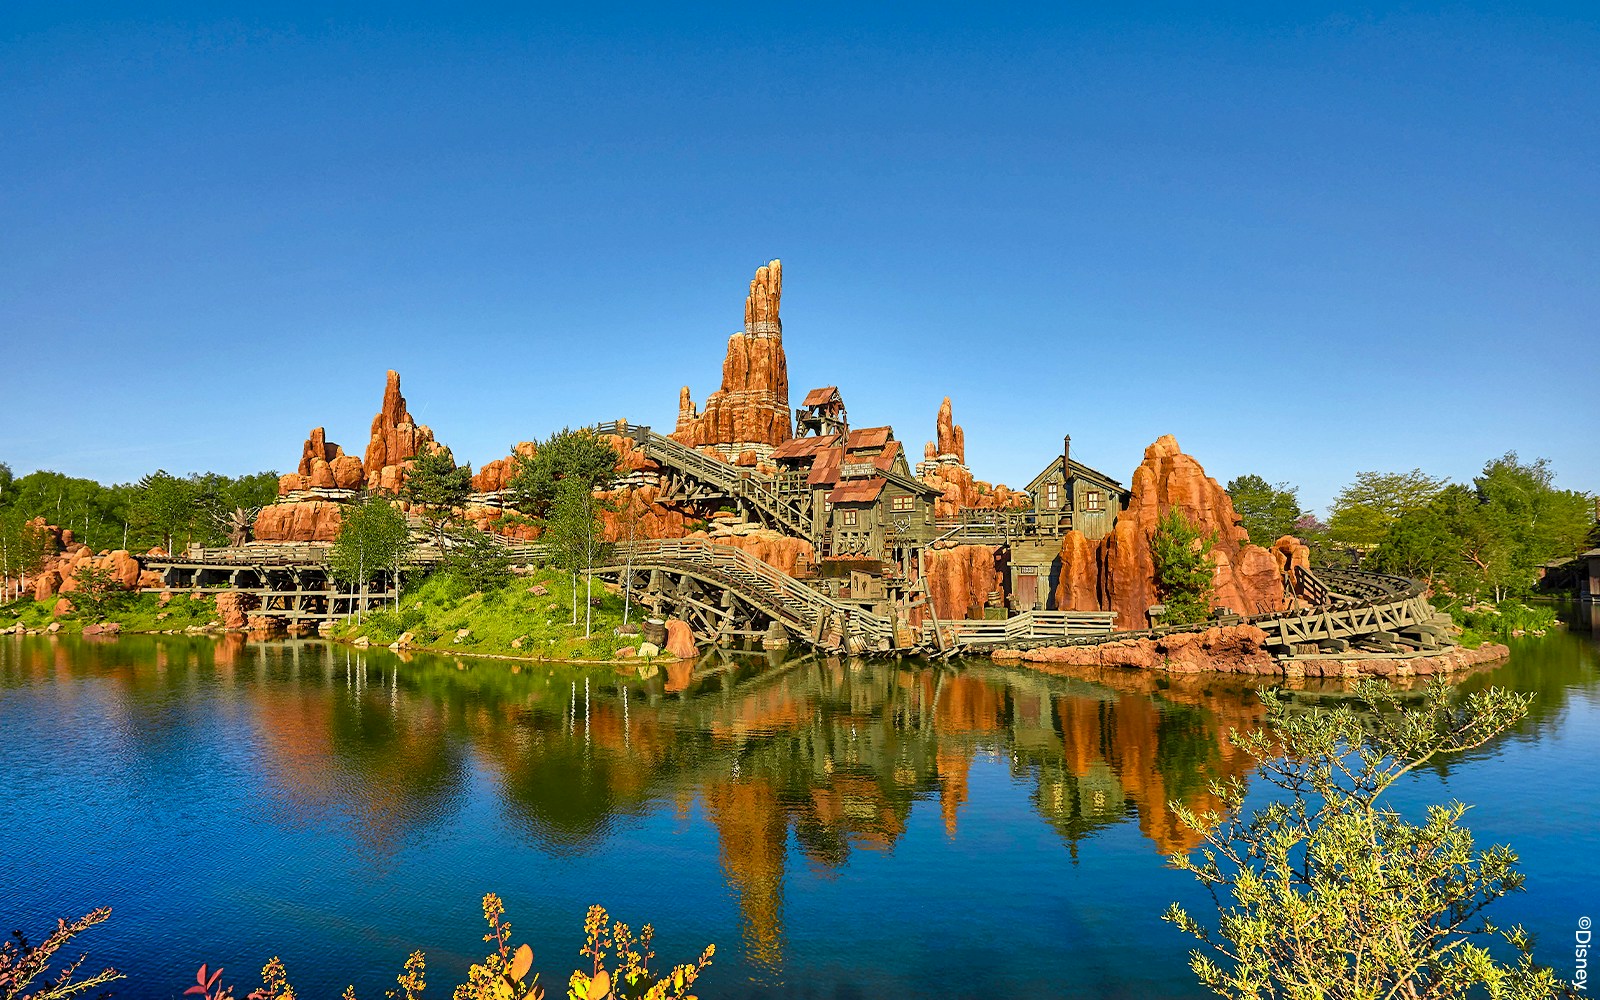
{"x": 753, "y": 831}
{"x": 749, "y": 416}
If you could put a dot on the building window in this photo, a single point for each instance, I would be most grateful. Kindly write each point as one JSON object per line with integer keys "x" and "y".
{"x": 849, "y": 518}
{"x": 827, "y": 506}
{"x": 1052, "y": 495}
{"x": 1094, "y": 500}
{"x": 901, "y": 504}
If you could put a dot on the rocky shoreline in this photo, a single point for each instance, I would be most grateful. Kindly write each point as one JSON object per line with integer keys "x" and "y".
{"x": 1240, "y": 649}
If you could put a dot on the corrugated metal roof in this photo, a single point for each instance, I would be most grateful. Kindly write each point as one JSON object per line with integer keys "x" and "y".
{"x": 817, "y": 397}
{"x": 868, "y": 437}
{"x": 804, "y": 447}
{"x": 885, "y": 459}
{"x": 857, "y": 491}
{"x": 825, "y": 470}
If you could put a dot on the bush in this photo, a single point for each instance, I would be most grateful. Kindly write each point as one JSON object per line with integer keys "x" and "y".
{"x": 1328, "y": 892}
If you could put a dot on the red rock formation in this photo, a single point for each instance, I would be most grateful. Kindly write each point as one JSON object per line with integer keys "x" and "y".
{"x": 944, "y": 468}
{"x": 1245, "y": 578}
{"x": 962, "y": 579}
{"x": 395, "y": 439}
{"x": 792, "y": 555}
{"x": 1227, "y": 648}
{"x": 751, "y": 410}
{"x": 680, "y": 640}
{"x": 234, "y": 607}
{"x": 311, "y": 521}
{"x": 323, "y": 465}
{"x": 496, "y": 475}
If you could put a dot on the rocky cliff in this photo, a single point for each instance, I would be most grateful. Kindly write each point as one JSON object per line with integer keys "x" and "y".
{"x": 1117, "y": 573}
{"x": 963, "y": 579}
{"x": 749, "y": 415}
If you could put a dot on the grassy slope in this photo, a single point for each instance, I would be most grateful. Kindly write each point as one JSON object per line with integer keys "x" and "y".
{"x": 433, "y": 611}
{"x": 136, "y": 613}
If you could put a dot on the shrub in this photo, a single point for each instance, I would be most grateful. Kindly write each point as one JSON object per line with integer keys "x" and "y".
{"x": 1329, "y": 892}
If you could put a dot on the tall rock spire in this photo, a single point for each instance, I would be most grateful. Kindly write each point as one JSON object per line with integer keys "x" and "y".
{"x": 749, "y": 415}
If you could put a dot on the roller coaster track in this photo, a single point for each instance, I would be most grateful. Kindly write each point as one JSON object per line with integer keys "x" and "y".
{"x": 722, "y": 590}
{"x": 756, "y": 493}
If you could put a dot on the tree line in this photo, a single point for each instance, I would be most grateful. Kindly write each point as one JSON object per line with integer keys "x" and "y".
{"x": 159, "y": 509}
{"x": 1483, "y": 538}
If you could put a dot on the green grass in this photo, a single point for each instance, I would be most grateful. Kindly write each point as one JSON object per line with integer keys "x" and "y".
{"x": 435, "y": 609}
{"x": 1509, "y": 619}
{"x": 135, "y": 613}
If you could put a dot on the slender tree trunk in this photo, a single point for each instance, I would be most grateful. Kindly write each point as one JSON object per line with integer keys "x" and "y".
{"x": 574, "y": 598}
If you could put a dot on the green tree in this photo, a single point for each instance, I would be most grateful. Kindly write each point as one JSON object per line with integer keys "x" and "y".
{"x": 1328, "y": 892}
{"x": 1363, "y": 511}
{"x": 569, "y": 454}
{"x": 435, "y": 486}
{"x": 6, "y": 481}
{"x": 573, "y": 534}
{"x": 1183, "y": 569}
{"x": 1530, "y": 521}
{"x": 373, "y": 536}
{"x": 1267, "y": 511}
{"x": 477, "y": 560}
{"x": 97, "y": 592}
{"x": 166, "y": 504}
{"x": 23, "y": 550}
{"x": 1437, "y": 544}
{"x": 97, "y": 515}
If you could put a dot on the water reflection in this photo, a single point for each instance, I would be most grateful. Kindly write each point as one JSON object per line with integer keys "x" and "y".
{"x": 835, "y": 753}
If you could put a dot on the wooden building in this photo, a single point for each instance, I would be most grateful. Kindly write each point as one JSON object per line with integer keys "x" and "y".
{"x": 1069, "y": 495}
{"x": 1066, "y": 495}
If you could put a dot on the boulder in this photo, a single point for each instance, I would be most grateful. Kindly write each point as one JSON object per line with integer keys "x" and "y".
{"x": 306, "y": 521}
{"x": 680, "y": 640}
{"x": 649, "y": 649}
{"x": 234, "y": 607}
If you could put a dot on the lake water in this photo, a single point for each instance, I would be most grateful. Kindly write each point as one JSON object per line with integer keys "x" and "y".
{"x": 838, "y": 829}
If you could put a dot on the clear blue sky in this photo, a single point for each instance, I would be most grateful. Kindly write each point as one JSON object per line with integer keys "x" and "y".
{"x": 1306, "y": 241}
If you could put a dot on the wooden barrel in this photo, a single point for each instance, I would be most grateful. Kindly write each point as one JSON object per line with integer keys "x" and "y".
{"x": 655, "y": 630}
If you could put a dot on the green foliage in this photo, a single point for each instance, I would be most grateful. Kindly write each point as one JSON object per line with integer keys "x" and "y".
{"x": 166, "y": 504}
{"x": 579, "y": 454}
{"x": 373, "y": 535}
{"x": 1183, "y": 571}
{"x": 436, "y": 607}
{"x": 1489, "y": 538}
{"x": 23, "y": 548}
{"x": 1267, "y": 511}
{"x": 97, "y": 515}
{"x": 1329, "y": 892}
{"x": 97, "y": 593}
{"x": 1363, "y": 511}
{"x": 435, "y": 486}
{"x": 478, "y": 561}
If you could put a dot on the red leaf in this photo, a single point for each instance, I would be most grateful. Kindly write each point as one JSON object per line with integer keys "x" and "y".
{"x": 214, "y": 977}
{"x": 200, "y": 977}
{"x": 195, "y": 989}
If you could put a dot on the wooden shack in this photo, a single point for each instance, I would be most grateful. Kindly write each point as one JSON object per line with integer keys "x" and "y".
{"x": 1069, "y": 495}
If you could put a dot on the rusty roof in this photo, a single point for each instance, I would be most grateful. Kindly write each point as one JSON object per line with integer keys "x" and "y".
{"x": 804, "y": 447}
{"x": 884, "y": 460}
{"x": 817, "y": 397}
{"x": 825, "y": 470}
{"x": 868, "y": 437}
{"x": 857, "y": 491}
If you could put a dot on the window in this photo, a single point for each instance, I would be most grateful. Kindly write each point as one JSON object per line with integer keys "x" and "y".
{"x": 1094, "y": 500}
{"x": 849, "y": 518}
{"x": 900, "y": 504}
{"x": 1052, "y": 495}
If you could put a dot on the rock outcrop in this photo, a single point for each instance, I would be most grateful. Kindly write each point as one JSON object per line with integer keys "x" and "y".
{"x": 1246, "y": 579}
{"x": 495, "y": 476}
{"x": 309, "y": 521}
{"x": 750, "y": 412}
{"x": 395, "y": 439}
{"x": 680, "y": 640}
{"x": 944, "y": 468}
{"x": 323, "y": 465}
{"x": 963, "y": 579}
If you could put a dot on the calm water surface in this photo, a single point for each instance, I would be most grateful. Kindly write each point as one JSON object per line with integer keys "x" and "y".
{"x": 838, "y": 829}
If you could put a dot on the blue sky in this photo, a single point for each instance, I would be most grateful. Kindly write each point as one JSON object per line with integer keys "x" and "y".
{"x": 1306, "y": 241}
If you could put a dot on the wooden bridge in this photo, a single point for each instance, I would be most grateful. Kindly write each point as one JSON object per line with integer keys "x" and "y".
{"x": 687, "y": 476}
